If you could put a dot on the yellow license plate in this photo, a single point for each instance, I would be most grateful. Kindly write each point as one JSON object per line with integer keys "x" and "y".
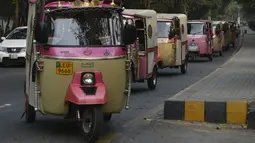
{"x": 64, "y": 68}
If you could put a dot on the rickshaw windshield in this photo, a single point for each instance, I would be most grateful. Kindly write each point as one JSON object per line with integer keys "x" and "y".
{"x": 196, "y": 28}
{"x": 164, "y": 29}
{"x": 93, "y": 28}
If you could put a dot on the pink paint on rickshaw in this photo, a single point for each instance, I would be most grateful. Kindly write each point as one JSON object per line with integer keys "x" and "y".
{"x": 83, "y": 51}
{"x": 200, "y": 40}
{"x": 76, "y": 95}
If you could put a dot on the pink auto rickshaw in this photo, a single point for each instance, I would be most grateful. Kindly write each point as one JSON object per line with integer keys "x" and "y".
{"x": 200, "y": 39}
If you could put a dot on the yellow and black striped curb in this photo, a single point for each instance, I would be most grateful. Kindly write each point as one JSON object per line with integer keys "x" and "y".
{"x": 231, "y": 112}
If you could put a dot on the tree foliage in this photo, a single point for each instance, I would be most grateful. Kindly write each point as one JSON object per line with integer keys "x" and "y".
{"x": 248, "y": 6}
{"x": 195, "y": 9}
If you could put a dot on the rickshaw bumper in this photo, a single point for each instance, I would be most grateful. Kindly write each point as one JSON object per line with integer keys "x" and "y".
{"x": 81, "y": 93}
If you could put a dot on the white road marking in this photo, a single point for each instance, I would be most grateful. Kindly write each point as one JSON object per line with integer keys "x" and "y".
{"x": 5, "y": 105}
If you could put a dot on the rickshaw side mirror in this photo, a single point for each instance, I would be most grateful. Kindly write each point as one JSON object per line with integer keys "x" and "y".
{"x": 41, "y": 33}
{"x": 129, "y": 34}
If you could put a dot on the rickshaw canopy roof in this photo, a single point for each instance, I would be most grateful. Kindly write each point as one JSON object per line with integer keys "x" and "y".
{"x": 171, "y": 16}
{"x": 145, "y": 13}
{"x": 199, "y": 21}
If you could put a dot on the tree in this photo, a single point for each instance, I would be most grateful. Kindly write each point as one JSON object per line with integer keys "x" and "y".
{"x": 195, "y": 9}
{"x": 247, "y": 6}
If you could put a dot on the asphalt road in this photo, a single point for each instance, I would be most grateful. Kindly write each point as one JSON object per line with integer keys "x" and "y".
{"x": 48, "y": 129}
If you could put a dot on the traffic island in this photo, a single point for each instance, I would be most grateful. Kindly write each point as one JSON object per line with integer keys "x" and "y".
{"x": 224, "y": 96}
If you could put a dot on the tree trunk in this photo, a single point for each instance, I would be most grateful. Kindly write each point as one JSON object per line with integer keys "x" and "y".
{"x": 17, "y": 13}
{"x": 7, "y": 25}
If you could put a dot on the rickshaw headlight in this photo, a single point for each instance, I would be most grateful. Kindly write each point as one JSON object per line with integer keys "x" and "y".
{"x": 88, "y": 78}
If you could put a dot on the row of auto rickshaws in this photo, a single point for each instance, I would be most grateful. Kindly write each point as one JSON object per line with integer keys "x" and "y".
{"x": 206, "y": 37}
{"x": 83, "y": 56}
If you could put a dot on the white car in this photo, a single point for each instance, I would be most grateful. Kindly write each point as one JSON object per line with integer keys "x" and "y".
{"x": 13, "y": 47}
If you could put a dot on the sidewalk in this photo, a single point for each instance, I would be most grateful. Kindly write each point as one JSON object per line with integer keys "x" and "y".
{"x": 158, "y": 131}
{"x": 224, "y": 96}
{"x": 228, "y": 88}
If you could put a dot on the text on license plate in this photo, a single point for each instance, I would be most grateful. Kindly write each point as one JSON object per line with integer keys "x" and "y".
{"x": 64, "y": 67}
{"x": 13, "y": 56}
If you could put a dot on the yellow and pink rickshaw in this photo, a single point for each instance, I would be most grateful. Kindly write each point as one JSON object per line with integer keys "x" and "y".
{"x": 226, "y": 34}
{"x": 218, "y": 38}
{"x": 77, "y": 61}
{"x": 233, "y": 32}
{"x": 172, "y": 41}
{"x": 200, "y": 43}
{"x": 144, "y": 50}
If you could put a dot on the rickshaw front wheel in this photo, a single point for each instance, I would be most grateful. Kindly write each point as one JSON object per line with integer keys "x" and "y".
{"x": 92, "y": 122}
{"x": 152, "y": 81}
{"x": 30, "y": 113}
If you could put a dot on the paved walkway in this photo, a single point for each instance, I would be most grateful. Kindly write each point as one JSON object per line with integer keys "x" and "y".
{"x": 224, "y": 96}
{"x": 157, "y": 131}
{"x": 235, "y": 80}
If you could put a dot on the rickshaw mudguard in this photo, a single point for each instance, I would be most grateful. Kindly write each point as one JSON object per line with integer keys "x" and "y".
{"x": 76, "y": 95}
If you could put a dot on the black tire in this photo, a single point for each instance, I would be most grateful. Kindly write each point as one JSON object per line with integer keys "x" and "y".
{"x": 221, "y": 53}
{"x": 94, "y": 115}
{"x": 152, "y": 81}
{"x": 30, "y": 113}
{"x": 184, "y": 67}
{"x": 107, "y": 117}
{"x": 210, "y": 57}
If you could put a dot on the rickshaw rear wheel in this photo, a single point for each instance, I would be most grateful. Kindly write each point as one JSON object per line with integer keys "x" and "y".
{"x": 92, "y": 122}
{"x": 30, "y": 113}
{"x": 152, "y": 81}
{"x": 221, "y": 53}
{"x": 184, "y": 67}
{"x": 210, "y": 57}
{"x": 107, "y": 117}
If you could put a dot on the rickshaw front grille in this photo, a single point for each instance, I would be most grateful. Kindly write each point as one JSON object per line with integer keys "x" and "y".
{"x": 89, "y": 90}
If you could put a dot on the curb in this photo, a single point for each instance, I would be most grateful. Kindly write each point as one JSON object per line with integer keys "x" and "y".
{"x": 230, "y": 112}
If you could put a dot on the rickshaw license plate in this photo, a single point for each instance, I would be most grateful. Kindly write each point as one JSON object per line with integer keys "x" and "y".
{"x": 64, "y": 68}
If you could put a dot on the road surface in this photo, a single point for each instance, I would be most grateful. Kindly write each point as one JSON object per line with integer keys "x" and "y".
{"x": 48, "y": 129}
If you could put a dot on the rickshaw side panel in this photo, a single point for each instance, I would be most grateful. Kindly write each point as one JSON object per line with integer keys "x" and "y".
{"x": 29, "y": 54}
{"x": 216, "y": 44}
{"x": 152, "y": 42}
{"x": 55, "y": 86}
{"x": 178, "y": 47}
{"x": 167, "y": 53}
{"x": 184, "y": 36}
{"x": 142, "y": 66}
